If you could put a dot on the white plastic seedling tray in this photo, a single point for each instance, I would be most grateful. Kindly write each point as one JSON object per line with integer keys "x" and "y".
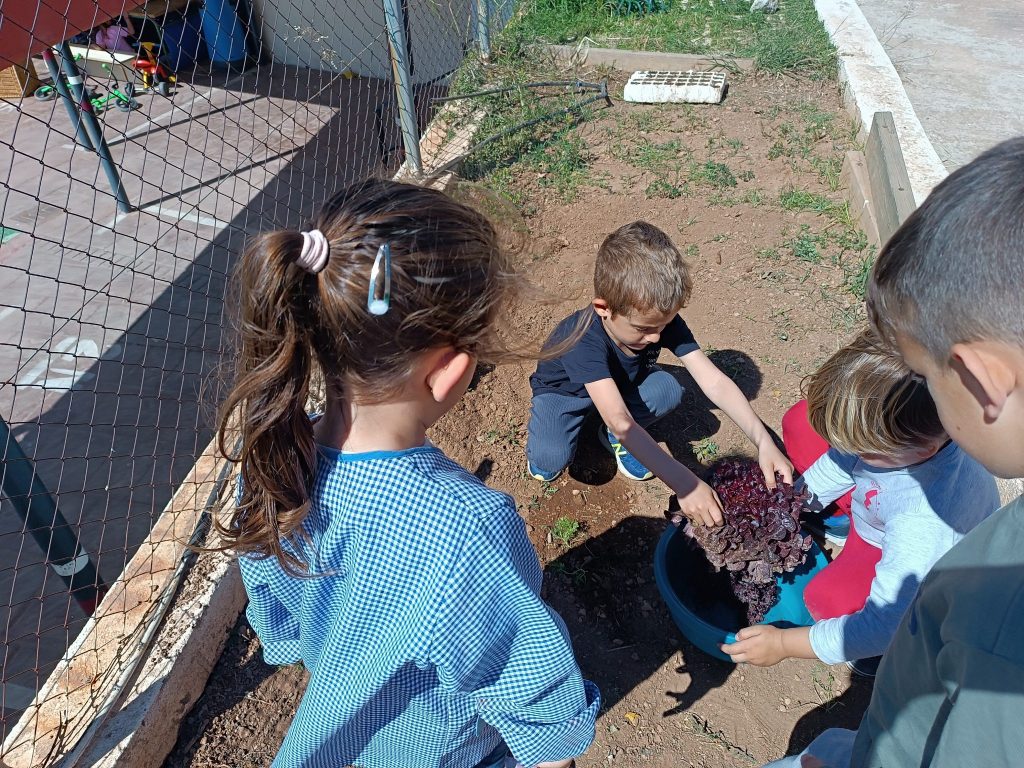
{"x": 661, "y": 87}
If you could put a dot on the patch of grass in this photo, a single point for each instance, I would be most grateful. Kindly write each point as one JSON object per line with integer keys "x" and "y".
{"x": 829, "y": 170}
{"x": 564, "y": 166}
{"x": 663, "y": 188}
{"x": 851, "y": 239}
{"x": 510, "y": 434}
{"x": 734, "y": 144}
{"x": 753, "y": 197}
{"x": 825, "y": 686}
{"x": 642, "y": 120}
{"x": 805, "y": 246}
{"x": 791, "y": 40}
{"x": 636, "y": 7}
{"x": 650, "y": 156}
{"x": 856, "y": 278}
{"x": 705, "y": 450}
{"x": 549, "y": 147}
{"x": 579, "y": 576}
{"x": 717, "y": 175}
{"x": 564, "y": 530}
{"x": 792, "y": 199}
{"x": 796, "y": 41}
{"x": 818, "y": 124}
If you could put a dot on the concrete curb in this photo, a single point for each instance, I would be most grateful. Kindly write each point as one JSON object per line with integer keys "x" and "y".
{"x": 628, "y": 60}
{"x": 872, "y": 85}
{"x": 173, "y": 676}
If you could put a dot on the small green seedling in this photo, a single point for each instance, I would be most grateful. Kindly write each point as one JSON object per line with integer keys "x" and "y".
{"x": 564, "y": 530}
{"x": 706, "y": 450}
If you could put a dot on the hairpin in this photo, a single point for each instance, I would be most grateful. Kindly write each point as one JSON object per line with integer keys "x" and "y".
{"x": 380, "y": 306}
{"x": 315, "y": 251}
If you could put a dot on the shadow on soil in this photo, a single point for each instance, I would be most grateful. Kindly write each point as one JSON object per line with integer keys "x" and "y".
{"x": 241, "y": 670}
{"x": 692, "y": 421}
{"x": 844, "y": 711}
{"x": 604, "y": 589}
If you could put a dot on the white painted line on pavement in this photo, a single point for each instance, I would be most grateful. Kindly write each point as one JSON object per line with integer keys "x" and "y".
{"x": 179, "y": 215}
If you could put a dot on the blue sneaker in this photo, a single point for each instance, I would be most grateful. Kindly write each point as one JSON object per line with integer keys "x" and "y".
{"x": 834, "y": 528}
{"x": 628, "y": 465}
{"x": 837, "y": 528}
{"x": 536, "y": 474}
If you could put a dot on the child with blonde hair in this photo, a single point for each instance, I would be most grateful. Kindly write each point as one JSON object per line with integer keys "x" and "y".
{"x": 915, "y": 494}
{"x": 407, "y": 588}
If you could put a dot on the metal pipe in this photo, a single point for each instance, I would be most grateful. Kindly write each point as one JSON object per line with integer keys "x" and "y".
{"x": 403, "y": 89}
{"x": 92, "y": 126}
{"x": 579, "y": 85}
{"x": 35, "y": 506}
{"x": 483, "y": 28}
{"x": 81, "y": 138}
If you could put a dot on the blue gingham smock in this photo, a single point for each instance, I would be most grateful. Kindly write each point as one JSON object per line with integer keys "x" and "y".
{"x": 426, "y": 641}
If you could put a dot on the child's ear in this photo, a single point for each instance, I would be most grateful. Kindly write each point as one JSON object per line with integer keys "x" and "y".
{"x": 448, "y": 372}
{"x": 986, "y": 374}
{"x": 601, "y": 307}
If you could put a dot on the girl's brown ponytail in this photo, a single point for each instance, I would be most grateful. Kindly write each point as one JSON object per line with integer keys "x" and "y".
{"x": 263, "y": 423}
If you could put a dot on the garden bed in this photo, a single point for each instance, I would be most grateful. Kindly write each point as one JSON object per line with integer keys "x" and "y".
{"x": 749, "y": 191}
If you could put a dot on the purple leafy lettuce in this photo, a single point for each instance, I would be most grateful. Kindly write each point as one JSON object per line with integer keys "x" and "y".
{"x": 760, "y": 537}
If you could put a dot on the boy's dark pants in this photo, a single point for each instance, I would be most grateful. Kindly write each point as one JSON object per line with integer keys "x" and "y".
{"x": 555, "y": 420}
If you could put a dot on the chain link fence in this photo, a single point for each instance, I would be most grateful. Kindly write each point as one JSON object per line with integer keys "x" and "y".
{"x": 140, "y": 145}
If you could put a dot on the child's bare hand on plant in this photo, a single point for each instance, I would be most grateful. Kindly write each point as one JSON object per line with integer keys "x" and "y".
{"x": 764, "y": 645}
{"x": 696, "y": 501}
{"x": 772, "y": 461}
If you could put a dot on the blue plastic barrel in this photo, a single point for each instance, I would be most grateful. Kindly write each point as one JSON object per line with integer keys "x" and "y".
{"x": 686, "y": 583}
{"x": 224, "y": 33}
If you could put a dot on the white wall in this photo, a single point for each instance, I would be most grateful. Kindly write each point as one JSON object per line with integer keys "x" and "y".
{"x": 337, "y": 34}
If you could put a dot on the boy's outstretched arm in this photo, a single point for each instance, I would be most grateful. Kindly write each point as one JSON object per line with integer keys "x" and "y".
{"x": 723, "y": 392}
{"x": 696, "y": 499}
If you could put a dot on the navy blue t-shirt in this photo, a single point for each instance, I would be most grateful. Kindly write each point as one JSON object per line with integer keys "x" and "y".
{"x": 596, "y": 357}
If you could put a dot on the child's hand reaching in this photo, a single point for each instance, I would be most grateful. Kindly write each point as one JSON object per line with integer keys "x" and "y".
{"x": 772, "y": 460}
{"x": 760, "y": 645}
{"x": 764, "y": 645}
{"x": 700, "y": 505}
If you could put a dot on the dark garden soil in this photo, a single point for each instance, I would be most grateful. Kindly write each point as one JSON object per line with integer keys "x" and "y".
{"x": 748, "y": 190}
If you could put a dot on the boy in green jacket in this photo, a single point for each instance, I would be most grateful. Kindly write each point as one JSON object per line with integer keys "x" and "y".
{"x": 948, "y": 293}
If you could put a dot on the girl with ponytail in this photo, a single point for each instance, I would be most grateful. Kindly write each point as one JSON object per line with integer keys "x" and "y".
{"x": 408, "y": 589}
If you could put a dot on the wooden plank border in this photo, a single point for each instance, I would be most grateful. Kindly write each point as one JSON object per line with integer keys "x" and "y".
{"x": 891, "y": 194}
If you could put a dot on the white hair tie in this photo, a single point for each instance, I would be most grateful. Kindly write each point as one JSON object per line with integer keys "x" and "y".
{"x": 315, "y": 251}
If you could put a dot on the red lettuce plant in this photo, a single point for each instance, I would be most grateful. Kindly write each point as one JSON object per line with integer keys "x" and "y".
{"x": 760, "y": 537}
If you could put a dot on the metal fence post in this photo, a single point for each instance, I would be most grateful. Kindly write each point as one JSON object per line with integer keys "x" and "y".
{"x": 483, "y": 28}
{"x": 81, "y": 138}
{"x": 92, "y": 126}
{"x": 403, "y": 88}
{"x": 44, "y": 522}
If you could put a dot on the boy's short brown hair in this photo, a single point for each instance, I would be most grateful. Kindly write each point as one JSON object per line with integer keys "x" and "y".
{"x": 639, "y": 269}
{"x": 864, "y": 399}
{"x": 953, "y": 271}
